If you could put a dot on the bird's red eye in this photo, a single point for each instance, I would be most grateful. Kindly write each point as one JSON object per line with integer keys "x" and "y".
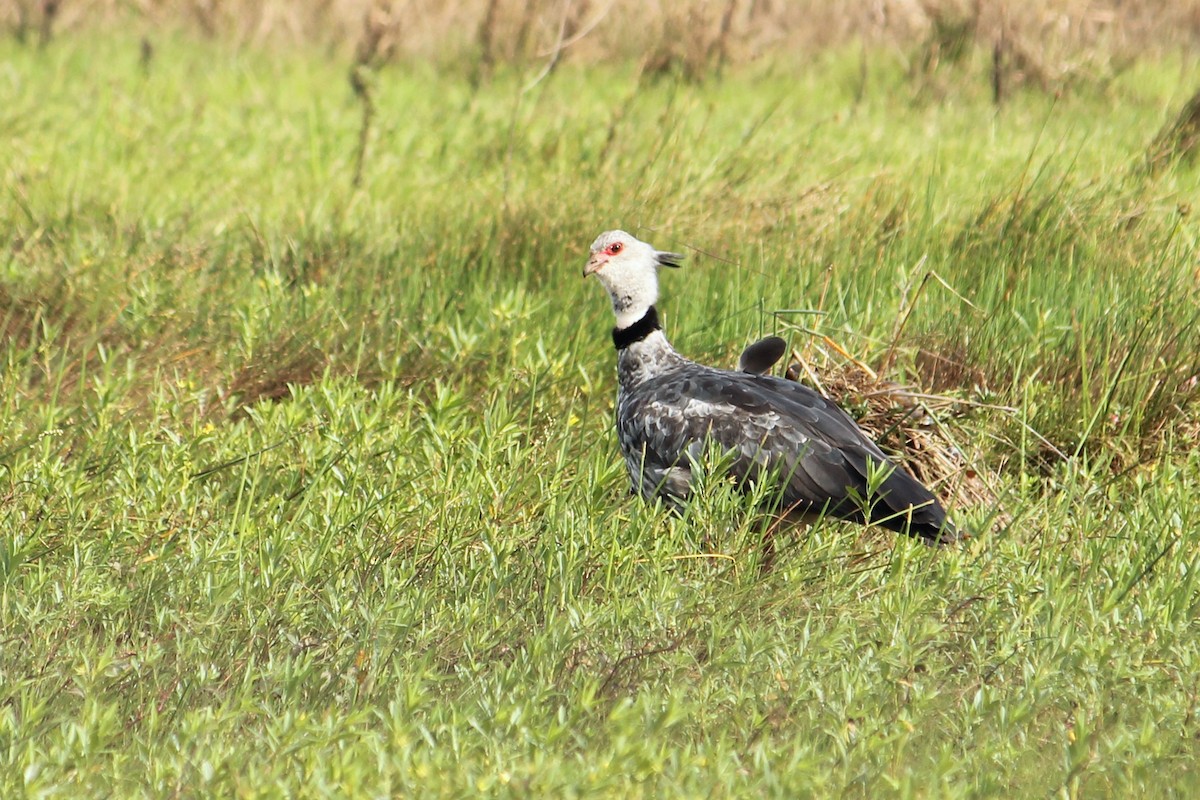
{"x": 614, "y": 248}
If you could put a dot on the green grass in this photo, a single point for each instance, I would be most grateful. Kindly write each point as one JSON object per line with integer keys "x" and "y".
{"x": 312, "y": 490}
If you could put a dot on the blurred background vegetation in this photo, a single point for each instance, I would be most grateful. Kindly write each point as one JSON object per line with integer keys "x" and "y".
{"x": 1051, "y": 44}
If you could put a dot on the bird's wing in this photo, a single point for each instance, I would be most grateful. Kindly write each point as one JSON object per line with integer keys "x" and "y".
{"x": 770, "y": 425}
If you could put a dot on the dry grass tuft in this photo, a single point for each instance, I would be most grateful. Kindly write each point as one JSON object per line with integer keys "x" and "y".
{"x": 694, "y": 41}
{"x": 1179, "y": 140}
{"x": 375, "y": 46}
{"x": 921, "y": 429}
{"x": 292, "y": 361}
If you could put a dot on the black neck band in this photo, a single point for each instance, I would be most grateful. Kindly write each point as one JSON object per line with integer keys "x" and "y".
{"x": 648, "y": 324}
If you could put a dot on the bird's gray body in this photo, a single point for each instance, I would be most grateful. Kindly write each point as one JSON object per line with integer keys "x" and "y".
{"x": 670, "y": 410}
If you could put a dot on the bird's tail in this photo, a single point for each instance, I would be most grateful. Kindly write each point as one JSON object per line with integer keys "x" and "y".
{"x": 905, "y": 506}
{"x": 899, "y": 502}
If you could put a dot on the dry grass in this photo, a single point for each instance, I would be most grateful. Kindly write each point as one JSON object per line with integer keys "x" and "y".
{"x": 1179, "y": 140}
{"x": 1043, "y": 43}
{"x": 923, "y": 429}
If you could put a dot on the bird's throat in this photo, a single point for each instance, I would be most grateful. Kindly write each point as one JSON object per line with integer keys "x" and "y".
{"x": 648, "y": 324}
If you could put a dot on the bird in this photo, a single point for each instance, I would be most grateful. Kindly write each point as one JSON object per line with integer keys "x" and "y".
{"x": 671, "y": 410}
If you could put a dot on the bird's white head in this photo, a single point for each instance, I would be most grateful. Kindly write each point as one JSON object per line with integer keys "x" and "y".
{"x": 628, "y": 269}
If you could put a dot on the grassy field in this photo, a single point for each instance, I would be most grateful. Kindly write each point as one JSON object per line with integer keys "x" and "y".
{"x": 311, "y": 489}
